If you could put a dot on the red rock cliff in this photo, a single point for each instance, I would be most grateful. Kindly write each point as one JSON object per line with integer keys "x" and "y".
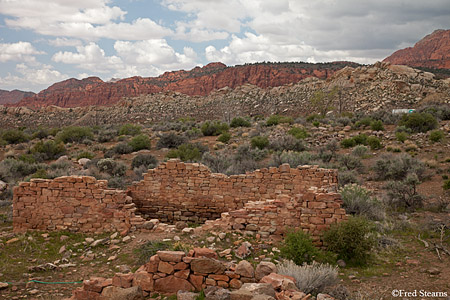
{"x": 433, "y": 51}
{"x": 198, "y": 81}
{"x": 10, "y": 97}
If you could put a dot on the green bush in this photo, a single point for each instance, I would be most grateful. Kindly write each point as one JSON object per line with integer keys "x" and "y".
{"x": 346, "y": 177}
{"x": 49, "y": 149}
{"x": 360, "y": 151}
{"x": 214, "y": 128}
{"x": 377, "y": 125}
{"x": 287, "y": 143}
{"x": 74, "y": 134}
{"x": 187, "y": 152}
{"x": 446, "y": 185}
{"x": 140, "y": 142}
{"x": 403, "y": 194}
{"x": 294, "y": 159}
{"x": 419, "y": 122}
{"x": 298, "y": 247}
{"x": 217, "y": 163}
{"x": 298, "y": 133}
{"x": 122, "y": 148}
{"x": 170, "y": 140}
{"x": 224, "y": 137}
{"x": 361, "y": 139}
{"x": 277, "y": 119}
{"x": 374, "y": 143}
{"x": 240, "y": 122}
{"x": 436, "y": 136}
{"x": 113, "y": 168}
{"x": 348, "y": 143}
{"x": 13, "y": 170}
{"x": 107, "y": 135}
{"x": 401, "y": 136}
{"x": 130, "y": 129}
{"x": 351, "y": 162}
{"x": 85, "y": 154}
{"x": 146, "y": 160}
{"x": 14, "y": 136}
{"x": 390, "y": 167}
{"x": 351, "y": 240}
{"x": 40, "y": 133}
{"x": 259, "y": 142}
{"x": 365, "y": 121}
{"x": 358, "y": 201}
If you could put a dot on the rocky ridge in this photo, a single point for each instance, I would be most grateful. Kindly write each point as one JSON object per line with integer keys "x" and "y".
{"x": 14, "y": 96}
{"x": 433, "y": 51}
{"x": 196, "y": 82}
{"x": 367, "y": 88}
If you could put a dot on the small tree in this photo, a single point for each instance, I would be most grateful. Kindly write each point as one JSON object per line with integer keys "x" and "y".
{"x": 323, "y": 101}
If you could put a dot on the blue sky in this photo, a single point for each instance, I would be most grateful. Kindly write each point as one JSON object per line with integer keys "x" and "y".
{"x": 46, "y": 41}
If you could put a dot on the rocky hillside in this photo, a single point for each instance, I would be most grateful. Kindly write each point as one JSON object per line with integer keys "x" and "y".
{"x": 196, "y": 82}
{"x": 11, "y": 97}
{"x": 433, "y": 51}
{"x": 365, "y": 88}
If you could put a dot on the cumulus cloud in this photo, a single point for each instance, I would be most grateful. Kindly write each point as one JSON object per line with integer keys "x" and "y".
{"x": 65, "y": 42}
{"x": 20, "y": 51}
{"x": 89, "y": 20}
{"x": 32, "y": 78}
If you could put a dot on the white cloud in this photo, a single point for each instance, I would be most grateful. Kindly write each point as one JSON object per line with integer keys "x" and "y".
{"x": 65, "y": 42}
{"x": 20, "y": 51}
{"x": 32, "y": 78}
{"x": 90, "y": 57}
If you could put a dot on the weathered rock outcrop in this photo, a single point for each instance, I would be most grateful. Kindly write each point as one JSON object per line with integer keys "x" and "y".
{"x": 433, "y": 51}
{"x": 198, "y": 81}
{"x": 11, "y": 97}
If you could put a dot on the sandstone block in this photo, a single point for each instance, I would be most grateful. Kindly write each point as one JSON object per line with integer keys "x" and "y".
{"x": 207, "y": 266}
{"x": 172, "y": 284}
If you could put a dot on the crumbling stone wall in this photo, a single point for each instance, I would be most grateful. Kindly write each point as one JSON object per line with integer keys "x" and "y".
{"x": 75, "y": 203}
{"x": 190, "y": 192}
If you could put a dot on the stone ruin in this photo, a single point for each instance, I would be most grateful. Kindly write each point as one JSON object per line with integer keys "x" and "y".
{"x": 265, "y": 201}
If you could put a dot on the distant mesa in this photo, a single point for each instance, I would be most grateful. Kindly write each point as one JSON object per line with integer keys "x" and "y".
{"x": 11, "y": 97}
{"x": 433, "y": 51}
{"x": 199, "y": 81}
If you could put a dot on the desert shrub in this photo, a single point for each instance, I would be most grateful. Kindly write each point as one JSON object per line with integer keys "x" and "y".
{"x": 240, "y": 122}
{"x": 218, "y": 162}
{"x": 398, "y": 167}
{"x": 259, "y": 142}
{"x": 245, "y": 151}
{"x": 360, "y": 139}
{"x": 298, "y": 133}
{"x": 224, "y": 137}
{"x": 107, "y": 135}
{"x": 146, "y": 160}
{"x": 312, "y": 278}
{"x": 13, "y": 170}
{"x": 277, "y": 119}
{"x": 343, "y": 121}
{"x": 150, "y": 248}
{"x": 360, "y": 151}
{"x": 403, "y": 129}
{"x": 140, "y": 142}
{"x": 193, "y": 133}
{"x": 348, "y": 143}
{"x": 116, "y": 182}
{"x": 351, "y": 240}
{"x": 347, "y": 177}
{"x": 287, "y": 143}
{"x": 374, "y": 143}
{"x": 74, "y": 134}
{"x": 441, "y": 112}
{"x": 85, "y": 154}
{"x": 40, "y": 173}
{"x": 49, "y": 149}
{"x": 28, "y": 158}
{"x": 122, "y": 148}
{"x": 14, "y": 136}
{"x": 403, "y": 193}
{"x": 358, "y": 201}
{"x": 298, "y": 247}
{"x": 446, "y": 185}
{"x": 436, "y": 136}
{"x": 313, "y": 117}
{"x": 111, "y": 167}
{"x": 188, "y": 152}
{"x": 401, "y": 136}
{"x": 351, "y": 162}
{"x": 294, "y": 159}
{"x": 329, "y": 151}
{"x": 365, "y": 121}
{"x": 130, "y": 129}
{"x": 40, "y": 133}
{"x": 170, "y": 140}
{"x": 377, "y": 125}
{"x": 214, "y": 128}
{"x": 418, "y": 122}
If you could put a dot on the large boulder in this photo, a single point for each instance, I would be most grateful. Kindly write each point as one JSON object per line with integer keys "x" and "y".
{"x": 264, "y": 268}
{"x": 171, "y": 256}
{"x": 117, "y": 293}
{"x": 206, "y": 265}
{"x": 172, "y": 284}
{"x": 245, "y": 269}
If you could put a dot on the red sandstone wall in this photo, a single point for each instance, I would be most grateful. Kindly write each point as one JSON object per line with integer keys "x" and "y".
{"x": 72, "y": 203}
{"x": 190, "y": 192}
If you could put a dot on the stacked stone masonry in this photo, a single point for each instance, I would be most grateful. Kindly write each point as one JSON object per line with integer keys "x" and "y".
{"x": 75, "y": 203}
{"x": 190, "y": 192}
{"x": 171, "y": 271}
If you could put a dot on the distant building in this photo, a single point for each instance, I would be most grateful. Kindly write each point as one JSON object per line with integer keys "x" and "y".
{"x": 402, "y": 111}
